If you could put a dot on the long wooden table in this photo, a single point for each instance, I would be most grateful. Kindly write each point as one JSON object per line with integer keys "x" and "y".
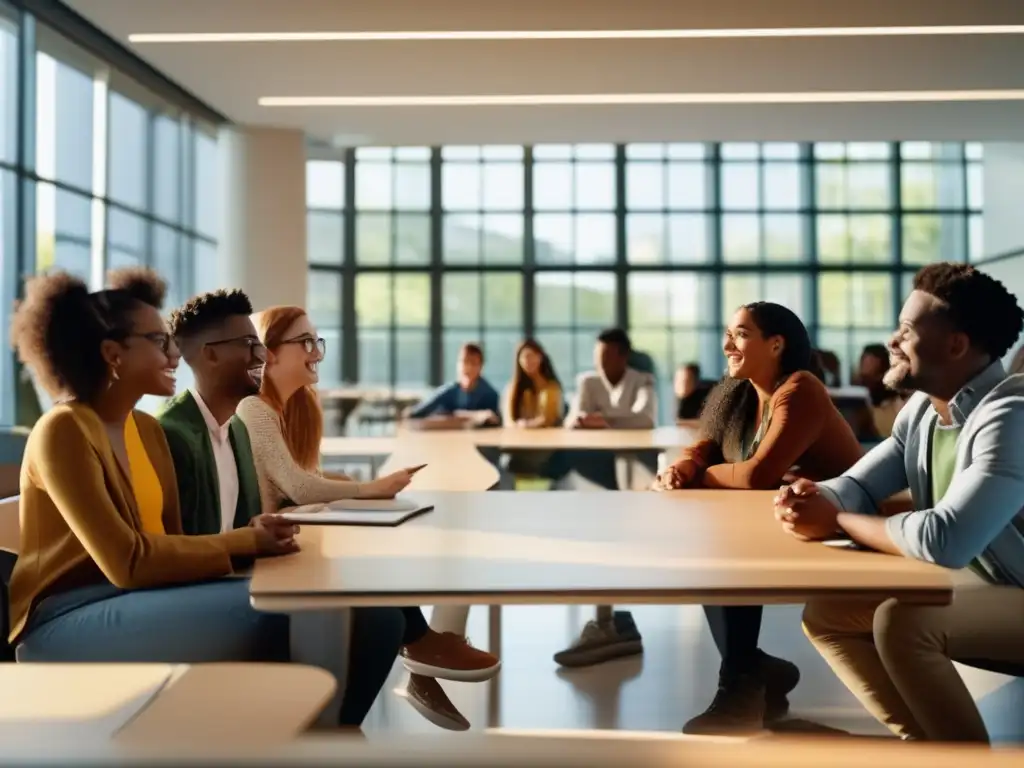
{"x": 498, "y": 548}
{"x": 512, "y": 438}
{"x": 447, "y": 447}
{"x": 587, "y": 749}
{"x": 146, "y": 704}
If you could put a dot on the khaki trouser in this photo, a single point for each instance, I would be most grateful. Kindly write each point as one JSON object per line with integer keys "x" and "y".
{"x": 896, "y": 658}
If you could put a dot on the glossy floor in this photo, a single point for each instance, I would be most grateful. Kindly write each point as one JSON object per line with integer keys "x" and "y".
{"x": 673, "y": 680}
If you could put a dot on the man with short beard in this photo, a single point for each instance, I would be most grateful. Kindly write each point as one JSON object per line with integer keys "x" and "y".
{"x": 217, "y": 481}
{"x": 957, "y": 446}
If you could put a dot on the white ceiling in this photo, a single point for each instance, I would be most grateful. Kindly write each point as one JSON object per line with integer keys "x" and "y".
{"x": 231, "y": 77}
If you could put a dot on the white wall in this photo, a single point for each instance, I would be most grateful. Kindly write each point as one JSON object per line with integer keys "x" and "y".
{"x": 1004, "y": 198}
{"x": 263, "y": 245}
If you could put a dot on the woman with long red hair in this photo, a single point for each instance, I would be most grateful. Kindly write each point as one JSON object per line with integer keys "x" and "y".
{"x": 285, "y": 424}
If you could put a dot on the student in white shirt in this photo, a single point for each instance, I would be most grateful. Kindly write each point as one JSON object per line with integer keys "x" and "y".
{"x": 217, "y": 481}
{"x": 615, "y": 396}
{"x": 219, "y": 486}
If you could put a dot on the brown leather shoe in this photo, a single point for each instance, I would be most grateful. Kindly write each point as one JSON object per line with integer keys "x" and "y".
{"x": 448, "y": 656}
{"x": 429, "y": 699}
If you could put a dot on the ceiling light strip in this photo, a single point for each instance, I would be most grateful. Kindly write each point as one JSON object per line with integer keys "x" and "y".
{"x": 571, "y": 34}
{"x": 600, "y": 99}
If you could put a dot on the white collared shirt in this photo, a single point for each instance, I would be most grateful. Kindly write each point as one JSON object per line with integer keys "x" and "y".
{"x": 224, "y": 458}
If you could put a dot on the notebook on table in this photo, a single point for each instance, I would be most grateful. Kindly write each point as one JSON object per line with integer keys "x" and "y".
{"x": 388, "y": 512}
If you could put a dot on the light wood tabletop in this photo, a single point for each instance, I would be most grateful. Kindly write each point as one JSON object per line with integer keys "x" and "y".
{"x": 556, "y": 438}
{"x": 372, "y": 393}
{"x": 452, "y": 462}
{"x": 160, "y": 703}
{"x": 581, "y": 548}
{"x": 512, "y": 438}
{"x": 587, "y": 749}
{"x": 362, "y": 447}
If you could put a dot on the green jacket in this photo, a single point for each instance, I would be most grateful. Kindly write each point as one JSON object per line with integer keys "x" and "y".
{"x": 198, "y": 486}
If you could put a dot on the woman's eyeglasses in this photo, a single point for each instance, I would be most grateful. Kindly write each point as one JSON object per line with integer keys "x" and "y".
{"x": 309, "y": 344}
{"x": 161, "y": 340}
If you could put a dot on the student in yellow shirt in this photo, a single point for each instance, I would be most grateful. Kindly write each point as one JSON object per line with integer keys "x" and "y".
{"x": 533, "y": 400}
{"x": 534, "y": 397}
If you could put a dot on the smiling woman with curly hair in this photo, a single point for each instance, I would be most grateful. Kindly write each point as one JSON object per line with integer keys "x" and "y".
{"x": 103, "y": 572}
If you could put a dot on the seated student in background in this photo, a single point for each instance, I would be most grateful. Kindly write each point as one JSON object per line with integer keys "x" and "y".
{"x": 828, "y": 368}
{"x": 469, "y": 397}
{"x": 104, "y": 572}
{"x": 285, "y": 423}
{"x": 957, "y": 445}
{"x": 615, "y": 396}
{"x": 769, "y": 418}
{"x": 534, "y": 397}
{"x": 885, "y": 403}
{"x": 217, "y": 483}
{"x": 533, "y": 400}
{"x": 690, "y": 391}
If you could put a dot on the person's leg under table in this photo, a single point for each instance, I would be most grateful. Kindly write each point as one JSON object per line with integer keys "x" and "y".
{"x": 612, "y": 634}
{"x": 376, "y": 638}
{"x": 444, "y": 653}
{"x": 207, "y": 622}
{"x": 842, "y": 632}
{"x": 753, "y": 687}
{"x": 917, "y": 645}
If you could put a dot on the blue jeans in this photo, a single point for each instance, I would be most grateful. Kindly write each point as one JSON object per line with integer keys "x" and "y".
{"x": 205, "y": 622}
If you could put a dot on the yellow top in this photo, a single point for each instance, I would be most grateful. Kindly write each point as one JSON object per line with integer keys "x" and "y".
{"x": 149, "y": 495}
{"x": 546, "y": 403}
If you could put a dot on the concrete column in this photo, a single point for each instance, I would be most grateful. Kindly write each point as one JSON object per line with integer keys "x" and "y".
{"x": 263, "y": 245}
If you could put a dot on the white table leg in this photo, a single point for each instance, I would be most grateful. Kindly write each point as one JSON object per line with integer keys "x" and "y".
{"x": 494, "y": 629}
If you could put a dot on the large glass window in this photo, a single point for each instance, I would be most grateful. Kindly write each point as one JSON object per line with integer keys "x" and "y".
{"x": 167, "y": 167}
{"x": 110, "y": 175}
{"x": 128, "y": 150}
{"x": 323, "y": 301}
{"x": 482, "y": 195}
{"x": 485, "y": 308}
{"x": 8, "y": 84}
{"x": 392, "y": 205}
{"x": 392, "y": 314}
{"x": 64, "y": 122}
{"x": 325, "y": 201}
{"x": 490, "y": 244}
{"x": 668, "y": 192}
{"x": 206, "y": 184}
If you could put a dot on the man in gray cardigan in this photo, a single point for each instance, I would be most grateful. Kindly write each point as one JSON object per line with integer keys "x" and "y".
{"x": 957, "y": 446}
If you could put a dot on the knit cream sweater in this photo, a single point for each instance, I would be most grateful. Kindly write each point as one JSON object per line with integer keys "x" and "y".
{"x": 282, "y": 481}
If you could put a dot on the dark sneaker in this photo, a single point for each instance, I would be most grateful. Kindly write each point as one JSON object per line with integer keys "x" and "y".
{"x": 780, "y": 677}
{"x": 737, "y": 709}
{"x": 602, "y": 642}
{"x": 429, "y": 699}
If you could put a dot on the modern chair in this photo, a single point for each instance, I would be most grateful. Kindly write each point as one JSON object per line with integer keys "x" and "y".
{"x": 9, "y": 543}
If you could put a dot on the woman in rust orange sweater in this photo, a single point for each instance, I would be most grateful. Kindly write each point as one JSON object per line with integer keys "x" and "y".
{"x": 769, "y": 419}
